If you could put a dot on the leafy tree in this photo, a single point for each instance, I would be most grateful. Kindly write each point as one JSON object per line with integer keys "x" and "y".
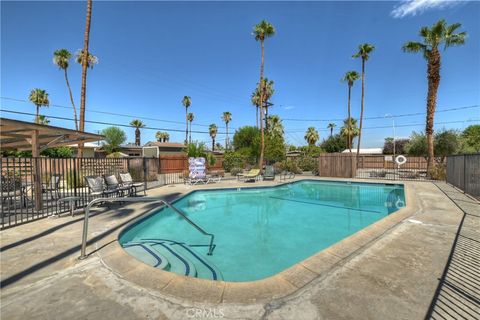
{"x": 39, "y": 98}
{"x": 470, "y": 139}
{"x": 364, "y": 51}
{"x": 227, "y": 117}
{"x": 58, "y": 152}
{"x": 137, "y": 124}
{"x": 350, "y": 77}
{"x": 246, "y": 141}
{"x": 212, "y": 130}
{"x": 440, "y": 33}
{"x": 335, "y": 143}
{"x": 186, "y": 102}
{"x": 114, "y": 138}
{"x": 196, "y": 149}
{"x": 262, "y": 31}
{"x": 233, "y": 159}
{"x": 446, "y": 143}
{"x": 400, "y": 145}
{"x": 417, "y": 146}
{"x": 311, "y": 151}
{"x": 61, "y": 58}
{"x": 311, "y": 136}
{"x": 274, "y": 148}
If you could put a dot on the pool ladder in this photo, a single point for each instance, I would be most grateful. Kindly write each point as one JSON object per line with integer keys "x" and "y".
{"x": 83, "y": 253}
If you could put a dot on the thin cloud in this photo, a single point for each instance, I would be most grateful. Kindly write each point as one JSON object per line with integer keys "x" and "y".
{"x": 289, "y": 107}
{"x": 414, "y": 7}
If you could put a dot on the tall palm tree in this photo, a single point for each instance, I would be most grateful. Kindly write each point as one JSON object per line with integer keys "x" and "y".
{"x": 440, "y": 33}
{"x": 61, "y": 58}
{"x": 137, "y": 124}
{"x": 256, "y": 102}
{"x": 227, "y": 117}
{"x": 331, "y": 126}
{"x": 275, "y": 126}
{"x": 190, "y": 117}
{"x": 350, "y": 77}
{"x": 186, "y": 101}
{"x": 268, "y": 93}
{"x": 311, "y": 136}
{"x": 262, "y": 31}
{"x": 212, "y": 130}
{"x": 39, "y": 98}
{"x": 43, "y": 120}
{"x": 349, "y": 130}
{"x": 83, "y": 93}
{"x": 364, "y": 51}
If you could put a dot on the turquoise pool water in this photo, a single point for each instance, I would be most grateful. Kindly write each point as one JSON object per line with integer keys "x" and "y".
{"x": 258, "y": 231}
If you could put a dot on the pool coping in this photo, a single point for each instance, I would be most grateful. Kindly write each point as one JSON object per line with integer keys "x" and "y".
{"x": 280, "y": 285}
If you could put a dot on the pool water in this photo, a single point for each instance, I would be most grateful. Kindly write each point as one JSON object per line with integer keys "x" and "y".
{"x": 262, "y": 231}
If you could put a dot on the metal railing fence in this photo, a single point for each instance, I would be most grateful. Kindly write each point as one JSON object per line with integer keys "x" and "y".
{"x": 463, "y": 172}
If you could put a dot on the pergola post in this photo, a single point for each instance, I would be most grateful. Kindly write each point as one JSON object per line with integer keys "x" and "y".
{"x": 37, "y": 176}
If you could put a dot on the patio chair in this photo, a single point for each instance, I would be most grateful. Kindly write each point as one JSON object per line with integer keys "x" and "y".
{"x": 112, "y": 183}
{"x": 52, "y": 186}
{"x": 126, "y": 180}
{"x": 269, "y": 173}
{"x": 195, "y": 178}
{"x": 12, "y": 189}
{"x": 252, "y": 175}
{"x": 97, "y": 188}
{"x": 287, "y": 175}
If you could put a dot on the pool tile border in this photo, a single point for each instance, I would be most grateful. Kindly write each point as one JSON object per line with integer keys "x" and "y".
{"x": 277, "y": 286}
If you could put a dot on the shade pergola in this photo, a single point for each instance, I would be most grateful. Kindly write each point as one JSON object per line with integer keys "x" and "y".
{"x": 22, "y": 135}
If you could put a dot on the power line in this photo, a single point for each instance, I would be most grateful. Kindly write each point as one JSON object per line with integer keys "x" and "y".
{"x": 117, "y": 114}
{"x": 106, "y": 123}
{"x": 383, "y": 117}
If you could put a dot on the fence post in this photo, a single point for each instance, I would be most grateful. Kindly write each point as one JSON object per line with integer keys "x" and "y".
{"x": 145, "y": 173}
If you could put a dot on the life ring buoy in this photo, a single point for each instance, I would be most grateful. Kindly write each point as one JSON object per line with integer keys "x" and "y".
{"x": 400, "y": 159}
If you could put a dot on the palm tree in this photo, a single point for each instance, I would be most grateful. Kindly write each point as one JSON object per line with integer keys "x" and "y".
{"x": 226, "y": 117}
{"x": 190, "y": 117}
{"x": 212, "y": 130}
{"x": 364, "y": 51}
{"x": 349, "y": 130}
{"x": 91, "y": 60}
{"x": 331, "y": 126}
{"x": 162, "y": 136}
{"x": 61, "y": 58}
{"x": 311, "y": 136}
{"x": 262, "y": 31}
{"x": 268, "y": 93}
{"x": 350, "y": 77}
{"x": 256, "y": 102}
{"x": 137, "y": 124}
{"x": 83, "y": 93}
{"x": 186, "y": 101}
{"x": 43, "y": 120}
{"x": 440, "y": 33}
{"x": 275, "y": 126}
{"x": 39, "y": 98}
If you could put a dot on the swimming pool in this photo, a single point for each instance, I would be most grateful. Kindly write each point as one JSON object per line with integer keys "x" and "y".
{"x": 258, "y": 231}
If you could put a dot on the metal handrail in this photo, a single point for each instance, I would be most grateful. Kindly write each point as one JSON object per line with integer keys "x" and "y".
{"x": 83, "y": 254}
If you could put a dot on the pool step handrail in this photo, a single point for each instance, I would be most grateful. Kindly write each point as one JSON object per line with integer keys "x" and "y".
{"x": 83, "y": 253}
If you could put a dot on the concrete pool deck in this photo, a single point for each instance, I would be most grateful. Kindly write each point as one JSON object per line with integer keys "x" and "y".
{"x": 393, "y": 274}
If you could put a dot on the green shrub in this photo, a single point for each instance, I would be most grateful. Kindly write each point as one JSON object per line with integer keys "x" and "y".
{"x": 307, "y": 163}
{"x": 233, "y": 160}
{"x": 235, "y": 171}
{"x": 439, "y": 172}
{"x": 290, "y": 165}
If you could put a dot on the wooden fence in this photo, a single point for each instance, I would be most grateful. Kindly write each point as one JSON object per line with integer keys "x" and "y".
{"x": 339, "y": 165}
{"x": 179, "y": 163}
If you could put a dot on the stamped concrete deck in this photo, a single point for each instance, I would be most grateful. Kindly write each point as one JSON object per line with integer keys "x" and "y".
{"x": 394, "y": 275}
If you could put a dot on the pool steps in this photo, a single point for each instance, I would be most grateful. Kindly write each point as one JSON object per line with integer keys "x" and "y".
{"x": 173, "y": 256}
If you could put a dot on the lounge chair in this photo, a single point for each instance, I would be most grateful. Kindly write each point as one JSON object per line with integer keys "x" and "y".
{"x": 193, "y": 179}
{"x": 269, "y": 173}
{"x": 52, "y": 186}
{"x": 96, "y": 187}
{"x": 252, "y": 175}
{"x": 196, "y": 172}
{"x": 11, "y": 189}
{"x": 113, "y": 184}
{"x": 126, "y": 180}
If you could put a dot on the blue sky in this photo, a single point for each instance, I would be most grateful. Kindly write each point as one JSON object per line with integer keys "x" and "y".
{"x": 151, "y": 54}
